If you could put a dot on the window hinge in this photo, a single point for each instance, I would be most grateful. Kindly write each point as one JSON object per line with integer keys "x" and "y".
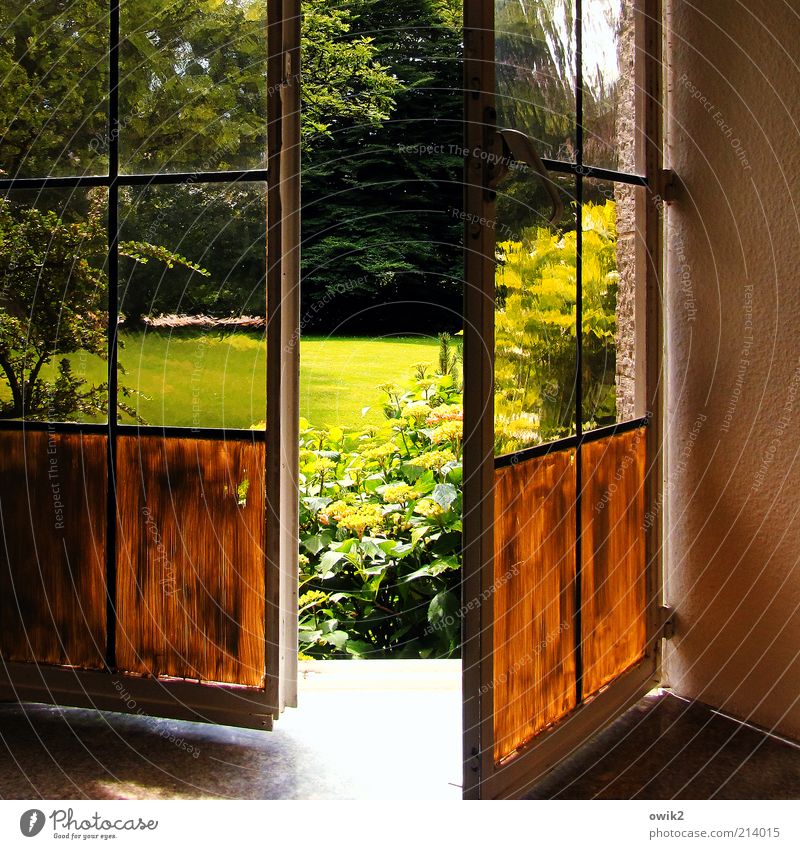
{"x": 667, "y": 615}
{"x": 667, "y": 188}
{"x": 476, "y": 760}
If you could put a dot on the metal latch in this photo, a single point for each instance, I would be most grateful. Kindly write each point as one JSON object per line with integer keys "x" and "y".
{"x": 517, "y": 147}
{"x": 475, "y": 757}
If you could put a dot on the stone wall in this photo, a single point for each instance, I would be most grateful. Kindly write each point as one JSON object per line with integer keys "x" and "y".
{"x": 625, "y": 198}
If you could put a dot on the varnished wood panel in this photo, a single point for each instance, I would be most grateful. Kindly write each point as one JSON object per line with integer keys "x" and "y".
{"x": 190, "y": 550}
{"x": 613, "y": 554}
{"x": 533, "y": 679}
{"x": 52, "y": 559}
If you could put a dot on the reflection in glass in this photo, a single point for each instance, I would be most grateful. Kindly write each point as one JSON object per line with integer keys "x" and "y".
{"x": 535, "y": 288}
{"x": 53, "y": 314}
{"x": 612, "y": 254}
{"x": 193, "y": 86}
{"x": 609, "y": 84}
{"x": 535, "y": 66}
{"x": 193, "y": 347}
{"x": 54, "y": 78}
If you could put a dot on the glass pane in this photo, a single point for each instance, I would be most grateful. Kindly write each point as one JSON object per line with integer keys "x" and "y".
{"x": 53, "y": 305}
{"x": 613, "y": 263}
{"x": 192, "y": 340}
{"x": 193, "y": 86}
{"x": 535, "y": 331}
{"x": 535, "y": 65}
{"x": 54, "y": 76}
{"x": 609, "y": 84}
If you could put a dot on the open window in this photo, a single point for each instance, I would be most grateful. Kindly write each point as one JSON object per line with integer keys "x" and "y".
{"x": 149, "y": 531}
{"x": 150, "y": 563}
{"x": 562, "y": 379}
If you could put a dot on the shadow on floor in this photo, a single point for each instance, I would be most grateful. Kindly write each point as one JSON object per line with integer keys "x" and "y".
{"x": 669, "y": 748}
{"x": 385, "y": 732}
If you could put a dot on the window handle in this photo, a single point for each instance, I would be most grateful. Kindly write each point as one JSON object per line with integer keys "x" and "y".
{"x": 517, "y": 147}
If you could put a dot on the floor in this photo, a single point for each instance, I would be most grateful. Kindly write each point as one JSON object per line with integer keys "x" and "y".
{"x": 366, "y": 730}
{"x": 666, "y": 747}
{"x": 378, "y": 730}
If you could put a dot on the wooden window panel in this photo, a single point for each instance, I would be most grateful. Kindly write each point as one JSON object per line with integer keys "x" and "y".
{"x": 53, "y": 556}
{"x": 534, "y": 590}
{"x": 190, "y": 559}
{"x": 613, "y": 613}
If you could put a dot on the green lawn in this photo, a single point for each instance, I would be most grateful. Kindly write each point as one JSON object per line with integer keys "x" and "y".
{"x": 340, "y": 377}
{"x": 209, "y": 380}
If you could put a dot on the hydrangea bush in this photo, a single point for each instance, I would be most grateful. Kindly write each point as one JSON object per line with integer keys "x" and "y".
{"x": 380, "y": 528}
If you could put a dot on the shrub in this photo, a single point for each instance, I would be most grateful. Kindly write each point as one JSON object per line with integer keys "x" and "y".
{"x": 380, "y": 529}
{"x": 381, "y": 511}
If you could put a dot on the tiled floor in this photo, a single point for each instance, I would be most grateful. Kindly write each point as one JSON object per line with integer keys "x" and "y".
{"x": 377, "y": 730}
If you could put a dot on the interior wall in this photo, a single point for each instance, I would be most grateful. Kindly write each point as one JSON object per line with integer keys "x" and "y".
{"x": 733, "y": 354}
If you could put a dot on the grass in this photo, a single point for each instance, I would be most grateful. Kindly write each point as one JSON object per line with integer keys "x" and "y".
{"x": 213, "y": 380}
{"x": 339, "y": 378}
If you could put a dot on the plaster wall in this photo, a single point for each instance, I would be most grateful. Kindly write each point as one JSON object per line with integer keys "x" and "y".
{"x": 733, "y": 356}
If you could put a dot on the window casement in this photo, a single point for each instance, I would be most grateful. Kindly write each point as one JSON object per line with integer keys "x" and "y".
{"x": 562, "y": 409}
{"x": 147, "y": 551}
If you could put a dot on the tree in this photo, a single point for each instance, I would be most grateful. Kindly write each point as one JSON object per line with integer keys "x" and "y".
{"x": 193, "y": 83}
{"x": 345, "y": 77}
{"x": 380, "y": 204}
{"x": 222, "y": 227}
{"x": 193, "y": 96}
{"x": 54, "y": 76}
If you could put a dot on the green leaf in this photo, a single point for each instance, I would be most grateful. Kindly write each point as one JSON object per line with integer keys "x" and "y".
{"x": 411, "y": 472}
{"x": 445, "y": 564}
{"x": 308, "y": 636}
{"x": 443, "y": 611}
{"x": 359, "y": 648}
{"x": 316, "y": 542}
{"x": 431, "y": 570}
{"x": 444, "y": 494}
{"x": 338, "y": 639}
{"x": 372, "y": 483}
{"x": 422, "y": 572}
{"x": 455, "y": 474}
{"x": 328, "y": 563}
{"x": 316, "y": 503}
{"x": 426, "y": 483}
{"x": 418, "y": 533}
